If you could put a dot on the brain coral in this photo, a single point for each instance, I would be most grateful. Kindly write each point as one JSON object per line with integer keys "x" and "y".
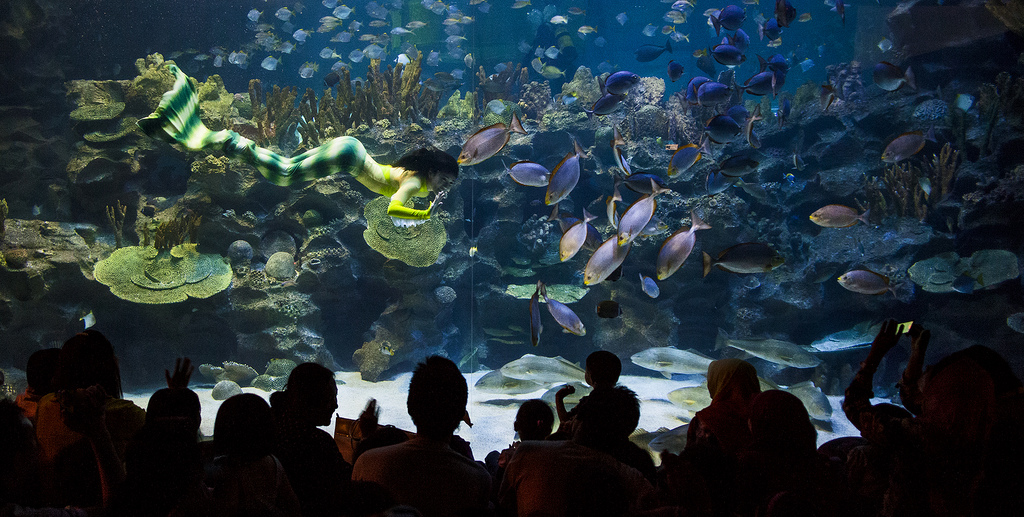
{"x": 418, "y": 246}
{"x": 141, "y": 274}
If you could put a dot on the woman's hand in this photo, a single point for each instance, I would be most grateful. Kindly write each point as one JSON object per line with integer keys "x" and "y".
{"x": 886, "y": 339}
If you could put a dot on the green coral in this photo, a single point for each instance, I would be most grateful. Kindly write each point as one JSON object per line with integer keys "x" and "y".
{"x": 3, "y": 215}
{"x": 215, "y": 103}
{"x": 96, "y": 100}
{"x": 505, "y": 117}
{"x": 584, "y": 86}
{"x": 564, "y": 293}
{"x": 149, "y": 86}
{"x": 458, "y": 107}
{"x": 418, "y": 246}
{"x": 142, "y": 274}
{"x": 986, "y": 267}
{"x": 126, "y": 126}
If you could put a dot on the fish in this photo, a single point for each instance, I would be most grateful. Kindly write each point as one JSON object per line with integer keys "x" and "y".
{"x": 884, "y": 44}
{"x": 738, "y": 165}
{"x": 827, "y": 96}
{"x": 565, "y": 316}
{"x": 713, "y": 93}
{"x": 865, "y": 281}
{"x": 649, "y": 287}
{"x": 552, "y": 72}
{"x": 620, "y": 82}
{"x": 785, "y": 13}
{"x": 685, "y": 157}
{"x": 669, "y": 359}
{"x": 638, "y": 215}
{"x": 558, "y": 20}
{"x": 906, "y": 145}
{"x": 890, "y": 77}
{"x": 859, "y": 336}
{"x": 693, "y": 87}
{"x": 752, "y": 139}
{"x": 775, "y": 351}
{"x": 761, "y": 83}
{"x": 716, "y": 182}
{"x": 806, "y": 64}
{"x": 621, "y": 18}
{"x": 300, "y": 35}
{"x": 270, "y": 63}
{"x": 308, "y": 69}
{"x": 769, "y": 29}
{"x": 283, "y": 14}
{"x": 89, "y": 319}
{"x": 965, "y": 283}
{"x": 387, "y": 349}
{"x": 669, "y": 440}
{"x": 342, "y": 11}
{"x": 496, "y": 383}
{"x": 649, "y": 30}
{"x": 254, "y": 15}
{"x": 675, "y": 70}
{"x": 551, "y": 52}
{"x": 691, "y": 398}
{"x": 646, "y": 53}
{"x": 543, "y": 369}
{"x": 641, "y": 183}
{"x": 838, "y": 216}
{"x": 705, "y": 62}
{"x": 565, "y": 176}
{"x": 608, "y": 309}
{"x": 731, "y": 17}
{"x": 536, "y": 327}
{"x": 529, "y": 174}
{"x": 605, "y": 261}
{"x": 613, "y": 216}
{"x": 840, "y": 9}
{"x": 586, "y": 29}
{"x": 804, "y": 18}
{"x": 608, "y": 103}
{"x": 574, "y": 238}
{"x": 728, "y": 55}
{"x": 814, "y": 400}
{"x": 582, "y": 390}
{"x": 677, "y": 247}
{"x": 785, "y": 106}
{"x": 489, "y": 141}
{"x": 356, "y": 56}
{"x": 748, "y": 257}
{"x": 722, "y": 129}
{"x": 576, "y": 11}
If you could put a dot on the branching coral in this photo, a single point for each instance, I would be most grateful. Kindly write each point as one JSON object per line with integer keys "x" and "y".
{"x": 908, "y": 190}
{"x": 1004, "y": 98}
{"x": 418, "y": 246}
{"x": 1010, "y": 12}
{"x": 941, "y": 171}
{"x": 170, "y": 234}
{"x": 535, "y": 98}
{"x": 500, "y": 85}
{"x": 115, "y": 216}
{"x": 274, "y": 116}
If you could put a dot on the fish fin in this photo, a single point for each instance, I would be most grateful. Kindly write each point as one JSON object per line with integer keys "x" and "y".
{"x": 697, "y": 222}
{"x": 717, "y": 24}
{"x": 908, "y": 76}
{"x": 668, "y": 45}
{"x": 578, "y": 149}
{"x": 515, "y": 126}
{"x": 721, "y": 339}
{"x": 707, "y": 263}
{"x": 667, "y": 375}
{"x": 930, "y": 135}
{"x": 864, "y": 217}
{"x": 554, "y": 213}
{"x": 587, "y": 216}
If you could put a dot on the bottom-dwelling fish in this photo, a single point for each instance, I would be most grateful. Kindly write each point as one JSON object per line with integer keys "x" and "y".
{"x": 748, "y": 257}
{"x": 543, "y": 369}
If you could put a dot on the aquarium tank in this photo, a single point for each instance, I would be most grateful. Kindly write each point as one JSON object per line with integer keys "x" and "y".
{"x": 244, "y": 183}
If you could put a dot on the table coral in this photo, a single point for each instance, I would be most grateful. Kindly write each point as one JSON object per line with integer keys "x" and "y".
{"x": 142, "y": 274}
{"x": 418, "y": 246}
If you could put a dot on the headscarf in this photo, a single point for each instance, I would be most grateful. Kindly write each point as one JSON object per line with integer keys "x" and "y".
{"x": 779, "y": 422}
{"x": 732, "y": 384}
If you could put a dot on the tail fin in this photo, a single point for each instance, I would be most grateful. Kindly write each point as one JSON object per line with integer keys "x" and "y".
{"x": 176, "y": 119}
{"x": 668, "y": 45}
{"x": 721, "y": 340}
{"x": 697, "y": 222}
{"x": 707, "y": 263}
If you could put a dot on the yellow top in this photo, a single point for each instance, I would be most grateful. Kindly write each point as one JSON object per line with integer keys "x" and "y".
{"x": 399, "y": 184}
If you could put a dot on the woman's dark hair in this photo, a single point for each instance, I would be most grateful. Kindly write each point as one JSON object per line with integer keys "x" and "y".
{"x": 534, "y": 420}
{"x": 175, "y": 404}
{"x": 244, "y": 429}
{"x": 87, "y": 359}
{"x": 429, "y": 162}
{"x": 779, "y": 421}
{"x": 41, "y": 367}
{"x": 437, "y": 397}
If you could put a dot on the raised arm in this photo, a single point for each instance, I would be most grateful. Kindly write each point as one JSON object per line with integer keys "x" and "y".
{"x": 910, "y": 393}
{"x": 859, "y": 393}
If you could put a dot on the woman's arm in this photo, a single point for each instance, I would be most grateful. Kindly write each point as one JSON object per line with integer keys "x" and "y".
{"x": 409, "y": 188}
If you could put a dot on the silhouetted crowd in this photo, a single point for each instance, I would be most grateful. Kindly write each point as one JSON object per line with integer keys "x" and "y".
{"x": 71, "y": 445}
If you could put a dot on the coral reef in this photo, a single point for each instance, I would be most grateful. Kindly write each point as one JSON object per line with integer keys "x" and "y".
{"x": 276, "y": 376}
{"x": 273, "y": 115}
{"x": 115, "y": 216}
{"x": 908, "y": 190}
{"x": 564, "y": 293}
{"x": 584, "y": 86}
{"x": 215, "y": 103}
{"x": 1010, "y": 12}
{"x": 846, "y": 79}
{"x": 417, "y": 246}
{"x": 502, "y": 85}
{"x": 281, "y": 265}
{"x": 1002, "y": 100}
{"x": 4, "y": 210}
{"x": 143, "y": 274}
{"x": 375, "y": 356}
{"x": 224, "y": 390}
{"x": 460, "y": 108}
{"x": 230, "y": 370}
{"x": 535, "y": 98}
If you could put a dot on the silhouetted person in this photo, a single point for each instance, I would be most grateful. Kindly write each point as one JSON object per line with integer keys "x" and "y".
{"x": 602, "y": 373}
{"x": 69, "y": 466}
{"x": 249, "y": 479}
{"x": 319, "y": 474}
{"x": 39, "y": 372}
{"x": 425, "y": 472}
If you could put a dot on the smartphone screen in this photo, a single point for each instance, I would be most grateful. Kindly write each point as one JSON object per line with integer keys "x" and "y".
{"x": 903, "y": 328}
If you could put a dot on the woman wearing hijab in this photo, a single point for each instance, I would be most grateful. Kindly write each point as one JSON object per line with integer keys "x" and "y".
{"x": 732, "y": 384}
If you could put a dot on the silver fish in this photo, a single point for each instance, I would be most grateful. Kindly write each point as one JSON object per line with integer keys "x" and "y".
{"x": 574, "y": 238}
{"x": 668, "y": 360}
{"x": 670, "y": 440}
{"x": 747, "y": 257}
{"x": 564, "y": 177}
{"x": 608, "y": 257}
{"x": 865, "y": 281}
{"x": 495, "y": 382}
{"x": 691, "y": 398}
{"x": 638, "y": 215}
{"x": 860, "y": 336}
{"x": 489, "y": 141}
{"x": 676, "y": 249}
{"x": 771, "y": 350}
{"x": 649, "y": 286}
{"x": 817, "y": 404}
{"x": 582, "y": 390}
{"x": 610, "y": 212}
{"x": 543, "y": 369}
{"x": 563, "y": 314}
{"x": 529, "y": 174}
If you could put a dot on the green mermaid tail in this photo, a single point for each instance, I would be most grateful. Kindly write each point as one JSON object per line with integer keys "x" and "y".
{"x": 176, "y": 119}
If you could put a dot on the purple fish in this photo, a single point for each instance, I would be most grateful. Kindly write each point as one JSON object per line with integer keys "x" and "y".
{"x": 676, "y": 249}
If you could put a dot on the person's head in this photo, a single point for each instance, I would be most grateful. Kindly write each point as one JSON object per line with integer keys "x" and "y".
{"x": 732, "y": 378}
{"x": 312, "y": 392}
{"x": 19, "y": 465}
{"x": 958, "y": 401}
{"x": 437, "y": 397}
{"x": 244, "y": 430}
{"x": 87, "y": 359}
{"x": 608, "y": 417}
{"x": 779, "y": 422}
{"x": 41, "y": 367}
{"x": 534, "y": 420}
{"x": 603, "y": 369}
{"x": 162, "y": 464}
{"x": 179, "y": 404}
{"x": 1006, "y": 382}
{"x": 437, "y": 168}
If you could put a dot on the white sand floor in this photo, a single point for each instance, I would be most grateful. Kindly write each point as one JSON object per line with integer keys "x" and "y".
{"x": 493, "y": 415}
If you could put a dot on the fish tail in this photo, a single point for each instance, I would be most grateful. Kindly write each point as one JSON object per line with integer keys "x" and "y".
{"x": 668, "y": 45}
{"x": 909, "y": 77}
{"x": 864, "y": 217}
{"x": 697, "y": 222}
{"x": 176, "y": 119}
{"x": 721, "y": 340}
{"x": 717, "y": 24}
{"x": 707, "y": 263}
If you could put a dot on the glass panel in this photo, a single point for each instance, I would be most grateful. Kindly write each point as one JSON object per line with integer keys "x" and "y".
{"x": 849, "y": 166}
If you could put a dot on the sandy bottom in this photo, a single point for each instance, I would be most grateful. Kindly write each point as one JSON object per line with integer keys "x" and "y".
{"x": 493, "y": 415}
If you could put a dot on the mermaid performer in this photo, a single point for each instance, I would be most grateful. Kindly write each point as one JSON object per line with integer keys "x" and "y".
{"x": 416, "y": 174}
